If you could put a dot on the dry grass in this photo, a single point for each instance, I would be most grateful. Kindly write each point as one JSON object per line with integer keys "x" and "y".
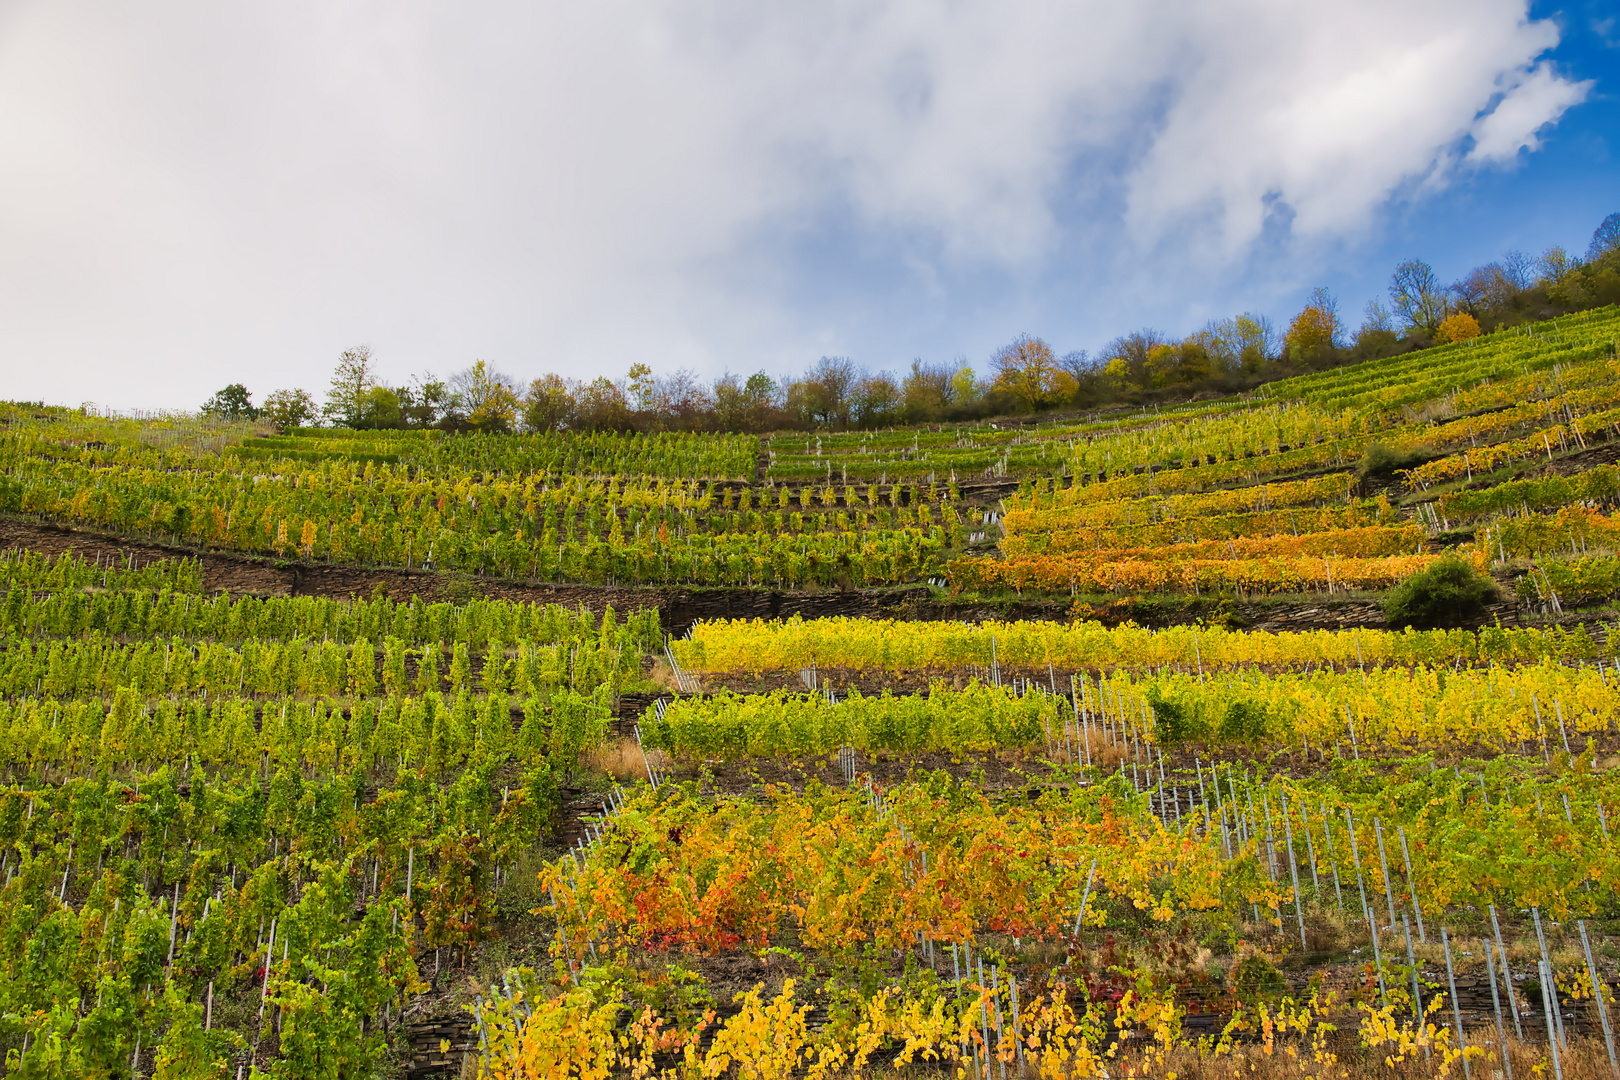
{"x": 664, "y": 676}
{"x": 1102, "y": 753}
{"x": 623, "y": 760}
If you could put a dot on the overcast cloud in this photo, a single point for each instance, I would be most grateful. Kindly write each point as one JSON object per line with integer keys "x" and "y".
{"x": 198, "y": 194}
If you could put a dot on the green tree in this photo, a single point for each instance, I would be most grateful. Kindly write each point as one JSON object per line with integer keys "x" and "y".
{"x": 488, "y": 398}
{"x": 231, "y": 403}
{"x": 927, "y": 391}
{"x": 353, "y": 376}
{"x": 1255, "y": 340}
{"x": 424, "y": 401}
{"x": 760, "y": 392}
{"x": 548, "y": 404}
{"x": 380, "y": 407}
{"x": 966, "y": 387}
{"x": 730, "y": 405}
{"x": 287, "y": 409}
{"x": 641, "y": 388}
{"x": 602, "y": 405}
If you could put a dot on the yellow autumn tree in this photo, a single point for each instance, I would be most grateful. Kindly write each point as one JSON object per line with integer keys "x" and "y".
{"x": 1458, "y": 327}
{"x": 1026, "y": 369}
{"x": 1309, "y": 335}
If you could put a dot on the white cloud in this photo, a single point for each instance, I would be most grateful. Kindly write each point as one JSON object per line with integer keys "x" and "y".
{"x": 1336, "y": 107}
{"x": 230, "y": 192}
{"x": 1530, "y": 104}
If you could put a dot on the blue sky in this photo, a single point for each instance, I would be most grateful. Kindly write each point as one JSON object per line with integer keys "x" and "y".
{"x": 1556, "y": 195}
{"x": 198, "y": 197}
{"x": 1553, "y": 195}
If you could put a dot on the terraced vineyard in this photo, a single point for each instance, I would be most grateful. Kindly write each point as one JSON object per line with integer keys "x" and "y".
{"x": 1289, "y": 496}
{"x": 306, "y": 773}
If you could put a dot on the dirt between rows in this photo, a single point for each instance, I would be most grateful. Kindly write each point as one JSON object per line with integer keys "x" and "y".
{"x": 1021, "y": 775}
{"x": 679, "y": 608}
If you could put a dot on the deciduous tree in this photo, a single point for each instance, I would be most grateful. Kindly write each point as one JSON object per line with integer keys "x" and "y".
{"x": 966, "y": 387}
{"x": 380, "y": 407}
{"x": 354, "y": 375}
{"x": 1025, "y": 368}
{"x": 640, "y": 387}
{"x": 1417, "y": 295}
{"x": 1376, "y": 337}
{"x": 823, "y": 395}
{"x": 287, "y": 409}
{"x": 1554, "y": 266}
{"x": 877, "y": 400}
{"x": 489, "y": 398}
{"x": 548, "y": 404}
{"x": 683, "y": 400}
{"x": 603, "y": 406}
{"x": 424, "y": 401}
{"x": 1132, "y": 351}
{"x": 1605, "y": 239}
{"x": 1310, "y": 335}
{"x": 231, "y": 403}
{"x": 730, "y": 405}
{"x": 1323, "y": 300}
{"x": 927, "y": 390}
{"x": 1255, "y": 339}
{"x": 1517, "y": 266}
{"x": 1459, "y": 326}
{"x": 1486, "y": 288}
{"x": 761, "y": 393}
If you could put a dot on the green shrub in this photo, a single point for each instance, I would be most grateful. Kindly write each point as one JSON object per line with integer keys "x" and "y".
{"x": 1226, "y": 615}
{"x": 1244, "y": 722}
{"x": 1380, "y": 460}
{"x": 1255, "y": 980}
{"x": 544, "y": 798}
{"x": 1174, "y": 722}
{"x": 578, "y": 722}
{"x": 1448, "y": 592}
